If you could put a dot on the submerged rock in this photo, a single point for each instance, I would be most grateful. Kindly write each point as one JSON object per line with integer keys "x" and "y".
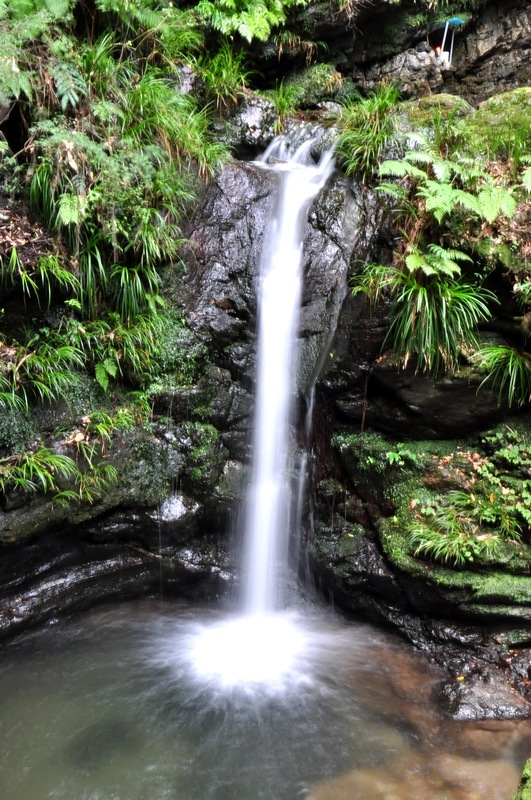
{"x": 482, "y": 697}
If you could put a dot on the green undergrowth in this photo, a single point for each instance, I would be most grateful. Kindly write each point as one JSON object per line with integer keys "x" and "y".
{"x": 98, "y": 179}
{"x": 457, "y": 507}
{"x": 458, "y": 193}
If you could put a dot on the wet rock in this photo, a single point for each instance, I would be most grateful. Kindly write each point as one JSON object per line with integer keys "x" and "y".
{"x": 252, "y": 126}
{"x": 227, "y": 238}
{"x": 174, "y": 508}
{"x": 482, "y": 698}
{"x": 427, "y": 407}
{"x": 417, "y": 71}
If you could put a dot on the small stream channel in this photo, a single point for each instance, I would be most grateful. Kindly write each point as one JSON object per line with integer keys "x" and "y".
{"x": 112, "y": 706}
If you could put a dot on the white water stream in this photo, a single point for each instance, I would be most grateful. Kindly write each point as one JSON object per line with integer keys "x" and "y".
{"x": 264, "y": 645}
{"x": 269, "y": 505}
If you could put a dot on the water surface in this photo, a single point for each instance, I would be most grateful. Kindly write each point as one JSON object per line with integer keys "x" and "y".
{"x": 138, "y": 702}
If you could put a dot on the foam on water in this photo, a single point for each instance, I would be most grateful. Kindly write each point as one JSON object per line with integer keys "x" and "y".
{"x": 244, "y": 652}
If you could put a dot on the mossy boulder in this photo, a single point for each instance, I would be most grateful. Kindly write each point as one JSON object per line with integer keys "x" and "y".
{"x": 524, "y": 790}
{"x": 315, "y": 84}
{"x": 405, "y": 487}
{"x": 426, "y": 111}
{"x": 501, "y": 126}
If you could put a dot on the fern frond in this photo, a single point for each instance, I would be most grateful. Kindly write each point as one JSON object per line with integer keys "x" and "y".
{"x": 445, "y": 253}
{"x": 69, "y": 83}
{"x": 467, "y": 200}
{"x": 526, "y": 178}
{"x": 493, "y": 201}
{"x": 439, "y": 198}
{"x": 68, "y": 212}
{"x": 391, "y": 189}
{"x": 400, "y": 169}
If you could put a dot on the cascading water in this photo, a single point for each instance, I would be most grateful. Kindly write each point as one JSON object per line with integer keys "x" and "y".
{"x": 268, "y": 513}
{"x": 264, "y": 646}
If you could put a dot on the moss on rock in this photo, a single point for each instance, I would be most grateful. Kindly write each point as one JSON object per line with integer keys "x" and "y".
{"x": 524, "y": 790}
{"x": 424, "y": 112}
{"x": 408, "y": 482}
{"x": 315, "y": 84}
{"x": 500, "y": 125}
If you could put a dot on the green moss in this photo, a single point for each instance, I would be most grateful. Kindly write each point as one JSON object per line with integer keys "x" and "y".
{"x": 350, "y": 543}
{"x": 314, "y": 85}
{"x": 180, "y": 356}
{"x": 423, "y": 113}
{"x": 501, "y": 125}
{"x": 368, "y": 450}
{"x": 203, "y": 461}
{"x": 416, "y": 478}
{"x": 18, "y": 430}
{"x": 82, "y": 393}
{"x": 395, "y": 545}
{"x": 147, "y": 470}
{"x": 524, "y": 790}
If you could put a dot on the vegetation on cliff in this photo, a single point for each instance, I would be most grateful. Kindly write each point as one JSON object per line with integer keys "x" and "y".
{"x": 107, "y": 112}
{"x": 459, "y": 216}
{"x": 111, "y": 127}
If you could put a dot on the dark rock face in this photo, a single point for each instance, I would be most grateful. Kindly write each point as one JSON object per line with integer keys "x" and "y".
{"x": 382, "y": 41}
{"x": 420, "y": 72}
{"x": 221, "y": 287}
{"x": 138, "y": 540}
{"x": 496, "y": 55}
{"x": 123, "y": 555}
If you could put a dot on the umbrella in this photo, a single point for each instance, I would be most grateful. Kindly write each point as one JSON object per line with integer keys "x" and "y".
{"x": 453, "y": 23}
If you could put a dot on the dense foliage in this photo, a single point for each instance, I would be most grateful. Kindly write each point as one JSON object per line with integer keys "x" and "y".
{"x": 111, "y": 110}
{"x": 454, "y": 211}
{"x": 110, "y": 107}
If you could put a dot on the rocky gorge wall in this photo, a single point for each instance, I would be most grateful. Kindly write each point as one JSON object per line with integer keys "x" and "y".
{"x": 169, "y": 521}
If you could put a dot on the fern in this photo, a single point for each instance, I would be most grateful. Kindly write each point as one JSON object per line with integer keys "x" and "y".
{"x": 399, "y": 169}
{"x": 251, "y": 19}
{"x": 439, "y": 198}
{"x": 447, "y": 184}
{"x": 15, "y": 80}
{"x": 68, "y": 211}
{"x": 69, "y": 83}
{"x": 103, "y": 370}
{"x": 494, "y": 201}
{"x": 129, "y": 12}
{"x": 436, "y": 261}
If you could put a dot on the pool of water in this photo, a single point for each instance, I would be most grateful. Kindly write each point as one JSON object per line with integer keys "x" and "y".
{"x": 143, "y": 702}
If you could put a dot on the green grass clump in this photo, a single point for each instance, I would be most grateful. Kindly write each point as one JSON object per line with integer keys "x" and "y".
{"x": 367, "y": 124}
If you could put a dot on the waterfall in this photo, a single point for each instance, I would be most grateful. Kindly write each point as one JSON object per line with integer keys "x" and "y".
{"x": 268, "y": 515}
{"x": 264, "y": 646}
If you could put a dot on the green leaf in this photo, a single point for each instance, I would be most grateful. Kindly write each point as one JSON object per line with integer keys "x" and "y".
{"x": 111, "y": 367}
{"x": 102, "y": 376}
{"x": 68, "y": 209}
{"x": 526, "y": 178}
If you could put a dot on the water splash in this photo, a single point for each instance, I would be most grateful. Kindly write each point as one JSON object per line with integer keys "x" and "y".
{"x": 273, "y": 653}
